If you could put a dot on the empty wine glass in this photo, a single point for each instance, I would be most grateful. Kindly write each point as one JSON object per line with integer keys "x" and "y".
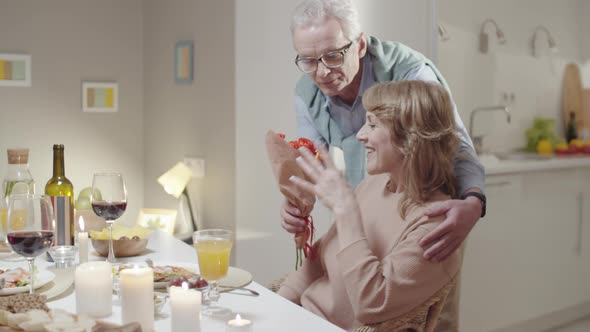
{"x": 30, "y": 226}
{"x": 109, "y": 201}
{"x": 213, "y": 248}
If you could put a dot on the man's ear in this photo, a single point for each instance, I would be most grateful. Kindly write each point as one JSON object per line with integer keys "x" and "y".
{"x": 362, "y": 41}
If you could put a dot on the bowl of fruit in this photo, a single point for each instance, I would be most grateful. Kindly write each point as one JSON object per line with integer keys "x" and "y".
{"x": 195, "y": 282}
{"x": 127, "y": 242}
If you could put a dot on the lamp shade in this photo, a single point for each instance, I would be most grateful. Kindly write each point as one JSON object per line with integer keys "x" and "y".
{"x": 175, "y": 179}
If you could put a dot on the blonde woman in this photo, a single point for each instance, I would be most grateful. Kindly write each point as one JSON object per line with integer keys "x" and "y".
{"x": 370, "y": 267}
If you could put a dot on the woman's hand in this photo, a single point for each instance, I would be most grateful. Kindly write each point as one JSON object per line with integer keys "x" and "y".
{"x": 327, "y": 181}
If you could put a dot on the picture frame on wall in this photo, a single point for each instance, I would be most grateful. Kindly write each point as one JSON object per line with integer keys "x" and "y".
{"x": 162, "y": 219}
{"x": 100, "y": 97}
{"x": 183, "y": 68}
{"x": 15, "y": 70}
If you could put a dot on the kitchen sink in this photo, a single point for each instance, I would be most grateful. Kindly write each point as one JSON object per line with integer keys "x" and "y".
{"x": 493, "y": 158}
{"x": 521, "y": 156}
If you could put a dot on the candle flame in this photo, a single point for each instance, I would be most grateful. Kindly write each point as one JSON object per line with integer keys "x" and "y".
{"x": 81, "y": 222}
{"x": 185, "y": 285}
{"x": 238, "y": 317}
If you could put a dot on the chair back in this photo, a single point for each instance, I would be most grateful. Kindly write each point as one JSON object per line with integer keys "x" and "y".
{"x": 423, "y": 318}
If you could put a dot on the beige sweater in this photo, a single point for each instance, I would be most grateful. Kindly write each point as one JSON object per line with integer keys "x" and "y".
{"x": 380, "y": 274}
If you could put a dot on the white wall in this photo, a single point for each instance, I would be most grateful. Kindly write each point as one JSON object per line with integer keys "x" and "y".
{"x": 195, "y": 119}
{"x": 265, "y": 79}
{"x": 478, "y": 79}
{"x": 71, "y": 41}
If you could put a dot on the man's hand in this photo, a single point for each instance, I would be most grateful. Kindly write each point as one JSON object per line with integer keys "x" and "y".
{"x": 291, "y": 218}
{"x": 461, "y": 216}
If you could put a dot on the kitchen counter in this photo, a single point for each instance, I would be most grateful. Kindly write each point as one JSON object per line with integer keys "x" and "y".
{"x": 495, "y": 166}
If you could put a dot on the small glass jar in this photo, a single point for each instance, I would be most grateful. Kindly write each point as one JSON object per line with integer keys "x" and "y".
{"x": 63, "y": 256}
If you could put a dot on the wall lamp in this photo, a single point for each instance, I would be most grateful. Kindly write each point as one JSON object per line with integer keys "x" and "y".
{"x": 175, "y": 182}
{"x": 484, "y": 38}
{"x": 550, "y": 40}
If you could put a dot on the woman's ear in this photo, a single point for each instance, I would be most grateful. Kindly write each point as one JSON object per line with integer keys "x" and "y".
{"x": 362, "y": 41}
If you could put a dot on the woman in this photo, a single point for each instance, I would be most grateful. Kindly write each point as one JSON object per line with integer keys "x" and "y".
{"x": 370, "y": 267}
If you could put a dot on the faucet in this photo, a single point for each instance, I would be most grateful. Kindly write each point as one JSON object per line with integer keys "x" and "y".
{"x": 478, "y": 141}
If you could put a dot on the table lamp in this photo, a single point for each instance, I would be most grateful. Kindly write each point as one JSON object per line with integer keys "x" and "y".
{"x": 175, "y": 181}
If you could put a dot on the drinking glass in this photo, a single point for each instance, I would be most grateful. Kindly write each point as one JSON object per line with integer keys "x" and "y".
{"x": 30, "y": 226}
{"x": 109, "y": 201}
{"x": 3, "y": 216}
{"x": 213, "y": 248}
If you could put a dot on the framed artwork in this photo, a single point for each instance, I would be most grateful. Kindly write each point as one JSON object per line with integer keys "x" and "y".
{"x": 100, "y": 97}
{"x": 183, "y": 69}
{"x": 15, "y": 70}
{"x": 161, "y": 219}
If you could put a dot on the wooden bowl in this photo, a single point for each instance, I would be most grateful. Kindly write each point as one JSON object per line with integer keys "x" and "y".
{"x": 121, "y": 248}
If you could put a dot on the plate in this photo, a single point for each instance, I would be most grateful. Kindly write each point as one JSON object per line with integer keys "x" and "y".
{"x": 43, "y": 277}
{"x": 235, "y": 277}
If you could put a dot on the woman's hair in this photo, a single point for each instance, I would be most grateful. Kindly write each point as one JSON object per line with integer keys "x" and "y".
{"x": 422, "y": 126}
{"x": 311, "y": 12}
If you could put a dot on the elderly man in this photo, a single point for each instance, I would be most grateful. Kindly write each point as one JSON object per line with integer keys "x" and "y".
{"x": 339, "y": 63}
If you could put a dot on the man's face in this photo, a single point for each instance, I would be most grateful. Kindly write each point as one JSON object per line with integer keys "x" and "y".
{"x": 325, "y": 37}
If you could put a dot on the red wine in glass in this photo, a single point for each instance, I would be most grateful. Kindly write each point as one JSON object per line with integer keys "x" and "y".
{"x": 30, "y": 243}
{"x": 109, "y": 210}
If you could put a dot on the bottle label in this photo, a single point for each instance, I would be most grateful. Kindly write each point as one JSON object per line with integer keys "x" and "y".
{"x": 62, "y": 210}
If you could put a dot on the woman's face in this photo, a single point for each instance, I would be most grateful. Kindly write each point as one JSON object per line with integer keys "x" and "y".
{"x": 382, "y": 155}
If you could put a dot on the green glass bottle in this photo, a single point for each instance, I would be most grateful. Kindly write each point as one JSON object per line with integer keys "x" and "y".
{"x": 61, "y": 191}
{"x": 572, "y": 132}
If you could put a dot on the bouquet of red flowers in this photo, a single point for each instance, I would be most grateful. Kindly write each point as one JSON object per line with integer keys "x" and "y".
{"x": 282, "y": 155}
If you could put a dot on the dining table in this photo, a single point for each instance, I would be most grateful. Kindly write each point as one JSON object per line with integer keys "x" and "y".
{"x": 268, "y": 311}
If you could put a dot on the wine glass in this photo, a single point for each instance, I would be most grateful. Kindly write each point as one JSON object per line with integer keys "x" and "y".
{"x": 213, "y": 248}
{"x": 109, "y": 201}
{"x": 30, "y": 227}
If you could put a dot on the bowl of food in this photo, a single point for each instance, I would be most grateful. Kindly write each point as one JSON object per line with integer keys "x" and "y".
{"x": 127, "y": 241}
{"x": 123, "y": 247}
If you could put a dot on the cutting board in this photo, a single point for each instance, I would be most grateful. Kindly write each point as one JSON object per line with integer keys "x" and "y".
{"x": 571, "y": 100}
{"x": 586, "y": 107}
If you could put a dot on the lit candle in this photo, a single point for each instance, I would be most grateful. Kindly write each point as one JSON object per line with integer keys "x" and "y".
{"x": 239, "y": 325}
{"x": 82, "y": 242}
{"x": 137, "y": 296}
{"x": 185, "y": 306}
{"x": 94, "y": 287}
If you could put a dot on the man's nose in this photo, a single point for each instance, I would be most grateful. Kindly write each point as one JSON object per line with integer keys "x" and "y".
{"x": 322, "y": 70}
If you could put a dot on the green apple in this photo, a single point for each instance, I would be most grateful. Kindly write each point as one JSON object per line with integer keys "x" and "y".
{"x": 86, "y": 192}
{"x": 83, "y": 203}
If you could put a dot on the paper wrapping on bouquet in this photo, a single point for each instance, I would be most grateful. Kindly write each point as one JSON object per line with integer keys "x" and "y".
{"x": 282, "y": 160}
{"x": 282, "y": 157}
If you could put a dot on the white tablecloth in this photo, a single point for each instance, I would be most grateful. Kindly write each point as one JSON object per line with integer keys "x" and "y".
{"x": 269, "y": 311}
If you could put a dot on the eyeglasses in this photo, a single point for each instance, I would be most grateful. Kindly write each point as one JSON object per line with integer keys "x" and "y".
{"x": 332, "y": 59}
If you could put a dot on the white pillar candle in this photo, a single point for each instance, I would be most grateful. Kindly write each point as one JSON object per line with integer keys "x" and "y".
{"x": 94, "y": 287}
{"x": 185, "y": 308}
{"x": 239, "y": 325}
{"x": 136, "y": 285}
{"x": 82, "y": 243}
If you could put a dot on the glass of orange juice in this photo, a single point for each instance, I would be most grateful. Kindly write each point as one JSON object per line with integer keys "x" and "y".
{"x": 213, "y": 249}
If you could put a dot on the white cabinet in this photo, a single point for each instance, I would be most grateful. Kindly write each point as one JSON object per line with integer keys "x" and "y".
{"x": 531, "y": 255}
{"x": 489, "y": 255}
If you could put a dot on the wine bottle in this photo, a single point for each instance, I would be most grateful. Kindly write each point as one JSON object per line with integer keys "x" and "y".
{"x": 572, "y": 132}
{"x": 61, "y": 191}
